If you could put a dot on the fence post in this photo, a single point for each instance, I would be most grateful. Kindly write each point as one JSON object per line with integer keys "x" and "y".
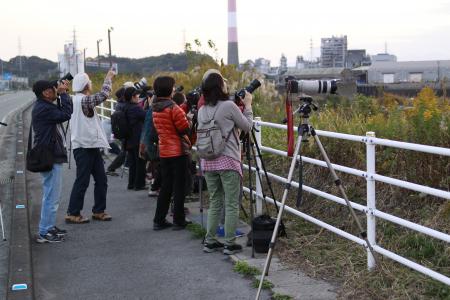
{"x": 371, "y": 221}
{"x": 259, "y": 203}
{"x": 102, "y": 111}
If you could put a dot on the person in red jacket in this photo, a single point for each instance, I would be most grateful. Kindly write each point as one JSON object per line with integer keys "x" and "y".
{"x": 172, "y": 127}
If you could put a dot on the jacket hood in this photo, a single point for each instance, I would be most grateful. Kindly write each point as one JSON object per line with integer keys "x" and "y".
{"x": 160, "y": 104}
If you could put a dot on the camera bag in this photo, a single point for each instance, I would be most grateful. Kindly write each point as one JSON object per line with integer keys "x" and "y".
{"x": 120, "y": 126}
{"x": 40, "y": 157}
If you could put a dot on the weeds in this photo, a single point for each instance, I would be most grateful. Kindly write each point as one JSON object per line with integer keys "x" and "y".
{"x": 197, "y": 231}
{"x": 245, "y": 269}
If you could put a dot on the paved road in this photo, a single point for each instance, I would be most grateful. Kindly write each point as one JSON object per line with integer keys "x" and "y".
{"x": 125, "y": 258}
{"x": 11, "y": 101}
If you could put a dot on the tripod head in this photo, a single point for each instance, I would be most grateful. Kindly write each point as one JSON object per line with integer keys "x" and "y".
{"x": 307, "y": 107}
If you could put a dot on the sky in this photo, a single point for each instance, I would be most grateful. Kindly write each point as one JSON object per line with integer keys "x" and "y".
{"x": 411, "y": 29}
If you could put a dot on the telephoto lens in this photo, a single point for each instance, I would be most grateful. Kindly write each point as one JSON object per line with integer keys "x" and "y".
{"x": 312, "y": 87}
{"x": 250, "y": 88}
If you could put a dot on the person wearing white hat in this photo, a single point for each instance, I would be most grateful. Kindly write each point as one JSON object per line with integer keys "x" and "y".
{"x": 88, "y": 138}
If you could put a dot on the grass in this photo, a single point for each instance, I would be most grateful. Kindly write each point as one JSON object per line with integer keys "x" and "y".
{"x": 197, "y": 231}
{"x": 267, "y": 285}
{"x": 245, "y": 269}
{"x": 277, "y": 296}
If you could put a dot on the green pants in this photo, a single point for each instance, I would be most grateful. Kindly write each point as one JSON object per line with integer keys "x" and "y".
{"x": 223, "y": 188}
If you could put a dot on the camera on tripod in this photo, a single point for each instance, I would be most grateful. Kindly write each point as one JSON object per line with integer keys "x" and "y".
{"x": 311, "y": 87}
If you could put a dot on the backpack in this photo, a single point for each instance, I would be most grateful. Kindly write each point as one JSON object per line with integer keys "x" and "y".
{"x": 210, "y": 141}
{"x": 120, "y": 126}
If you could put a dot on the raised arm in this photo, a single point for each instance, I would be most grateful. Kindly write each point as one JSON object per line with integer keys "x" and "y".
{"x": 88, "y": 103}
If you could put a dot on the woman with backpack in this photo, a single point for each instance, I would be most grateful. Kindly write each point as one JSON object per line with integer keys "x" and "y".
{"x": 222, "y": 171}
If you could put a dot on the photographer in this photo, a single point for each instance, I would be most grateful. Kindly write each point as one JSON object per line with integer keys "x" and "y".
{"x": 135, "y": 116}
{"x": 88, "y": 138}
{"x": 223, "y": 174}
{"x": 172, "y": 126}
{"x": 48, "y": 131}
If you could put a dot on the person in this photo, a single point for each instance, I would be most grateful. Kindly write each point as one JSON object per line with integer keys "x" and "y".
{"x": 135, "y": 116}
{"x": 172, "y": 126}
{"x": 47, "y": 120}
{"x": 148, "y": 149}
{"x": 120, "y": 158}
{"x": 88, "y": 138}
{"x": 224, "y": 174}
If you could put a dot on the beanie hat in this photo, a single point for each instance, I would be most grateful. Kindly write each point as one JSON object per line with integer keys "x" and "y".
{"x": 79, "y": 82}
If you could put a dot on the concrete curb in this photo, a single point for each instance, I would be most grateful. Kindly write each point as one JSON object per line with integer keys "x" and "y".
{"x": 20, "y": 276}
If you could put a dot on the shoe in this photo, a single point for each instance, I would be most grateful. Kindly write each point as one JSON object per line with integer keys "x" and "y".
{"x": 153, "y": 193}
{"x": 58, "y": 231}
{"x": 208, "y": 248}
{"x": 232, "y": 249}
{"x": 49, "y": 237}
{"x": 112, "y": 173}
{"x": 180, "y": 226}
{"x": 141, "y": 188}
{"x": 101, "y": 216}
{"x": 130, "y": 187}
{"x": 76, "y": 219}
{"x": 163, "y": 225}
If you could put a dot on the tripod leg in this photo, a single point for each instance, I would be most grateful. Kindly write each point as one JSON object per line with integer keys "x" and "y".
{"x": 280, "y": 214}
{"x": 249, "y": 162}
{"x": 338, "y": 183}
{"x": 1, "y": 220}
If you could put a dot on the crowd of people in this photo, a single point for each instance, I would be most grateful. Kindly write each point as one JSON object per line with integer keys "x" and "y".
{"x": 156, "y": 130}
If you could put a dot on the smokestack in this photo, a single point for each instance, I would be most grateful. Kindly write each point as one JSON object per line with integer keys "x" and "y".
{"x": 233, "y": 56}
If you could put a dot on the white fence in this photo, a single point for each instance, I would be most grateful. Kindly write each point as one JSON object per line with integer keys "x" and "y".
{"x": 371, "y": 178}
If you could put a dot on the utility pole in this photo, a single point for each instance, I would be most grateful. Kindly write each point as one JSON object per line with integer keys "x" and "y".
{"x": 84, "y": 58}
{"x": 20, "y": 57}
{"x": 98, "y": 52}
{"x": 109, "y": 42}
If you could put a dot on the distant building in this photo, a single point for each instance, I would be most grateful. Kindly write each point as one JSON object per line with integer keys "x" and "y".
{"x": 393, "y": 72}
{"x": 262, "y": 65}
{"x": 301, "y": 63}
{"x": 321, "y": 73}
{"x": 72, "y": 60}
{"x": 356, "y": 58}
{"x": 283, "y": 64}
{"x": 383, "y": 57}
{"x": 333, "y": 52}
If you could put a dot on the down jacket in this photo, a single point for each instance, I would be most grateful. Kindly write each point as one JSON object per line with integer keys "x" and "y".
{"x": 172, "y": 127}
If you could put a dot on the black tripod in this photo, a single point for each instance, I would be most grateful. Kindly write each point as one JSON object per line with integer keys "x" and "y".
{"x": 305, "y": 130}
{"x": 250, "y": 143}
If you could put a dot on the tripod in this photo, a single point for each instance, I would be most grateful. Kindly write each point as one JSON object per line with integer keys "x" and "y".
{"x": 305, "y": 130}
{"x": 249, "y": 141}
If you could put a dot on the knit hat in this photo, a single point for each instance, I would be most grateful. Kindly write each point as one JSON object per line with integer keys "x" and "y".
{"x": 128, "y": 84}
{"x": 79, "y": 82}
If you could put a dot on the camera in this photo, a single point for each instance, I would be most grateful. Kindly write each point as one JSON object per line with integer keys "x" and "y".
{"x": 311, "y": 87}
{"x": 192, "y": 99}
{"x": 241, "y": 94}
{"x": 67, "y": 77}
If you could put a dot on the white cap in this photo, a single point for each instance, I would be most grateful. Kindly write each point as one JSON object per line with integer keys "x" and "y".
{"x": 79, "y": 82}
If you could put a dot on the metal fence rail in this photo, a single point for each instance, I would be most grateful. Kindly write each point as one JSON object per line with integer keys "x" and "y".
{"x": 371, "y": 178}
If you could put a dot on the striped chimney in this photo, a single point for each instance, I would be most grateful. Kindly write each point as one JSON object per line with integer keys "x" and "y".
{"x": 233, "y": 56}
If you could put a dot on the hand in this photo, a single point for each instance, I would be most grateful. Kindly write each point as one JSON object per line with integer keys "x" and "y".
{"x": 111, "y": 74}
{"x": 190, "y": 115}
{"x": 247, "y": 100}
{"x": 62, "y": 87}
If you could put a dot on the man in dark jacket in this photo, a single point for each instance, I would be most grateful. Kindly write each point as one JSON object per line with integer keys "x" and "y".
{"x": 48, "y": 130}
{"x": 135, "y": 116}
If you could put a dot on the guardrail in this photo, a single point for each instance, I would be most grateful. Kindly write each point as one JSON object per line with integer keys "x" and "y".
{"x": 371, "y": 177}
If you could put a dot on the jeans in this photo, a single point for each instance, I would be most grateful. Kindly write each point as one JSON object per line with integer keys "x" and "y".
{"x": 173, "y": 172}
{"x": 136, "y": 174}
{"x": 89, "y": 162}
{"x": 224, "y": 187}
{"x": 51, "y": 194}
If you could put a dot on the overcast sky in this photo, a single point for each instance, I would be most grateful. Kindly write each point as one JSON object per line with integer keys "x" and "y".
{"x": 412, "y": 29}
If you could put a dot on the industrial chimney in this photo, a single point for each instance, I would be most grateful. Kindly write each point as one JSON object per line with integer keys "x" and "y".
{"x": 233, "y": 56}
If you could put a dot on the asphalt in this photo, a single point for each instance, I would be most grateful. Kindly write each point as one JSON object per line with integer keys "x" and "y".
{"x": 11, "y": 101}
{"x": 125, "y": 258}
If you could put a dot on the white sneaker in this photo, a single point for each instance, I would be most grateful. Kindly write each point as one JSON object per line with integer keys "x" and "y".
{"x": 153, "y": 193}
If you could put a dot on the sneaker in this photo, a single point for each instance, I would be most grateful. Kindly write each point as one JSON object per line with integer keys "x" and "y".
{"x": 208, "y": 248}
{"x": 112, "y": 173}
{"x": 49, "y": 237}
{"x": 181, "y": 226}
{"x": 153, "y": 193}
{"x": 232, "y": 249}
{"x": 163, "y": 225}
{"x": 101, "y": 216}
{"x": 58, "y": 231}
